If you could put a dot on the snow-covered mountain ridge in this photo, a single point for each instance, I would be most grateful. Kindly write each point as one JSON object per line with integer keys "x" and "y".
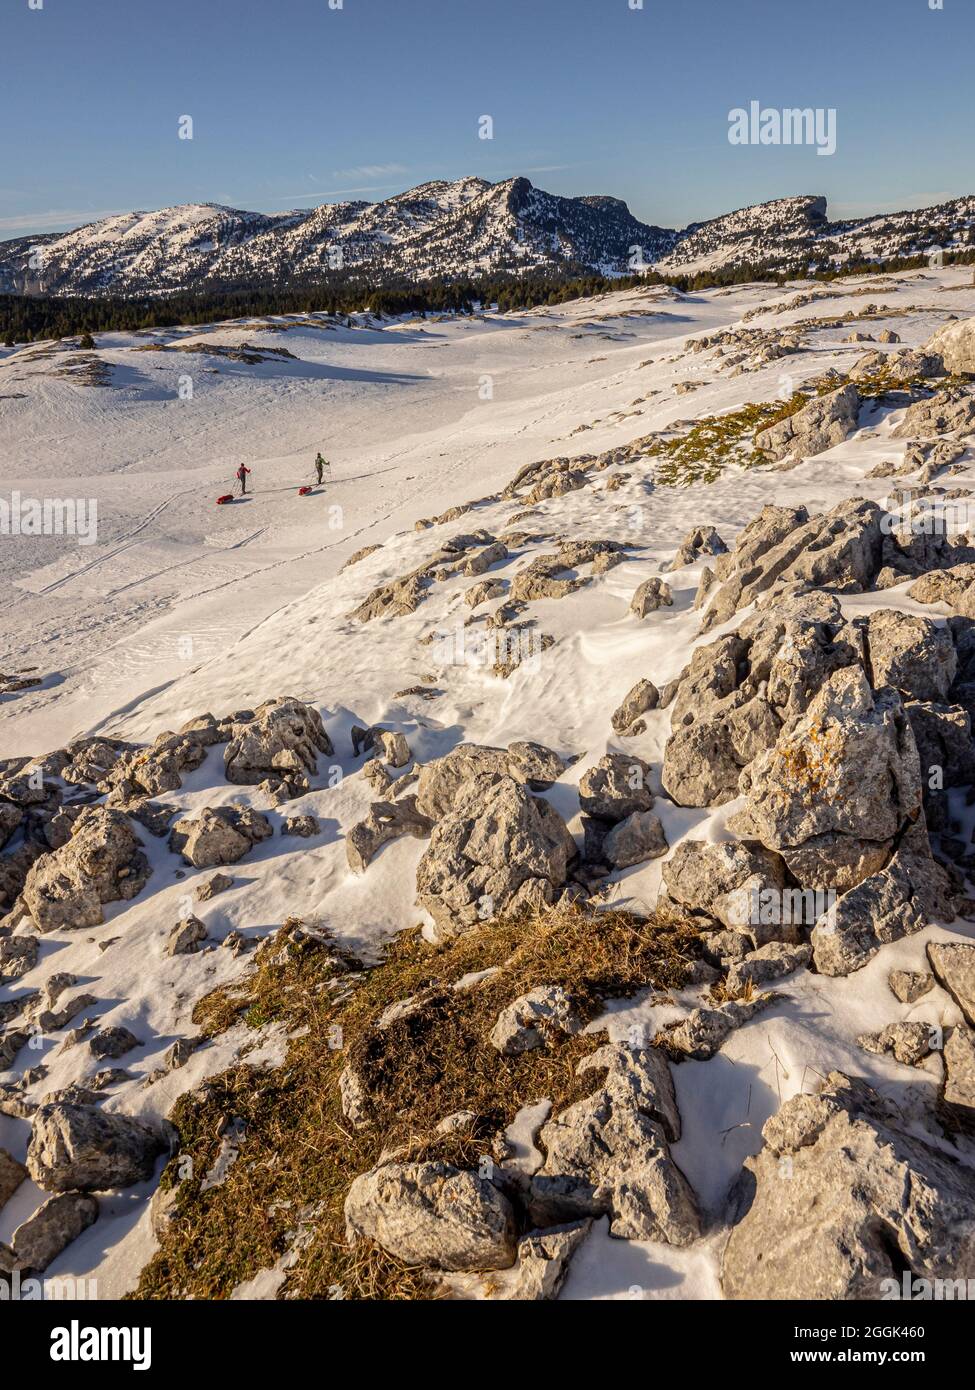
{"x": 465, "y": 228}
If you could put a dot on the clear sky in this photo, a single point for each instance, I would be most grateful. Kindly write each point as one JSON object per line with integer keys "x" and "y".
{"x": 295, "y": 102}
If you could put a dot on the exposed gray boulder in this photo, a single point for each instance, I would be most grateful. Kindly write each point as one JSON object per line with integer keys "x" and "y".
{"x": 826, "y": 421}
{"x": 76, "y": 1147}
{"x": 433, "y": 1215}
{"x": 440, "y": 781}
{"x": 770, "y": 962}
{"x": 112, "y": 1042}
{"x": 385, "y": 821}
{"x": 52, "y": 1228}
{"x": 729, "y": 881}
{"x": 783, "y": 548}
{"x": 634, "y": 840}
{"x": 700, "y": 540}
{"x": 500, "y": 851}
{"x": 300, "y": 827}
{"x": 12, "y": 1174}
{"x": 848, "y": 767}
{"x": 218, "y": 835}
{"x": 530, "y": 1021}
{"x": 219, "y": 883}
{"x": 281, "y": 743}
{"x": 616, "y": 787}
{"x": 959, "y": 1087}
{"x": 543, "y": 1262}
{"x": 897, "y": 902}
{"x": 610, "y": 1153}
{"x": 18, "y": 956}
{"x": 186, "y": 937}
{"x": 955, "y": 345}
{"x": 642, "y": 697}
{"x": 910, "y": 985}
{"x": 946, "y": 412}
{"x": 912, "y": 654}
{"x": 953, "y": 964}
{"x": 702, "y": 1033}
{"x": 842, "y": 1199}
{"x": 102, "y": 863}
{"x": 908, "y": 1043}
{"x": 651, "y": 595}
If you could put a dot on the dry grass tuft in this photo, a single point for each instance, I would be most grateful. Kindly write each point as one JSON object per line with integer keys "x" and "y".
{"x": 297, "y": 1154}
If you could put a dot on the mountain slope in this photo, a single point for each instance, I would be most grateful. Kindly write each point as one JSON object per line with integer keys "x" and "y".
{"x": 451, "y": 230}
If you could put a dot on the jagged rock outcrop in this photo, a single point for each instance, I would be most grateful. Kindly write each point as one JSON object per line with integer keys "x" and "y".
{"x": 540, "y": 577}
{"x": 610, "y": 1153}
{"x": 731, "y": 701}
{"x": 385, "y": 821}
{"x": 826, "y": 421}
{"x": 948, "y": 411}
{"x": 639, "y": 699}
{"x": 531, "y": 1020}
{"x": 841, "y": 1199}
{"x": 700, "y": 540}
{"x": 281, "y": 744}
{"x": 440, "y": 781}
{"x": 500, "y": 850}
{"x": 52, "y": 1228}
{"x": 102, "y": 863}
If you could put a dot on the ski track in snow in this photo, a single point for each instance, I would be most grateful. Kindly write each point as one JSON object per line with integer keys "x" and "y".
{"x": 184, "y": 607}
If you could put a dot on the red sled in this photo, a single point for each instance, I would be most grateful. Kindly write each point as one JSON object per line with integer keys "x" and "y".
{"x": 227, "y": 497}
{"x": 304, "y": 491}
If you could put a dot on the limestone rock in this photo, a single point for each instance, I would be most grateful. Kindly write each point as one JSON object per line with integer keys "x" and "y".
{"x": 826, "y": 421}
{"x": 12, "y": 1174}
{"x": 841, "y": 1199}
{"x": 704, "y": 1030}
{"x": 76, "y": 1147}
{"x": 651, "y": 595}
{"x": 953, "y": 964}
{"x": 909, "y": 1043}
{"x": 282, "y": 742}
{"x": 218, "y": 835}
{"x": 529, "y": 1021}
{"x": 543, "y": 1262}
{"x": 219, "y": 883}
{"x": 910, "y": 985}
{"x": 610, "y": 1153}
{"x": 102, "y": 863}
{"x": 433, "y": 1215}
{"x": 186, "y": 937}
{"x": 386, "y": 820}
{"x": 616, "y": 787}
{"x": 632, "y": 841}
{"x": 500, "y": 850}
{"x": 52, "y": 1228}
{"x": 642, "y": 697}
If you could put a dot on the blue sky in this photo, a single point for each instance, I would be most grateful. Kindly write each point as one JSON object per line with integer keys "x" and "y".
{"x": 295, "y": 103}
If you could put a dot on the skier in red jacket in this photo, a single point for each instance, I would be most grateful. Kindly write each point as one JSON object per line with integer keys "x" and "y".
{"x": 241, "y": 476}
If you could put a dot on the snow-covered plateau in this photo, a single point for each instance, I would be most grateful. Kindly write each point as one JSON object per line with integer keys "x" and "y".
{"x": 627, "y": 649}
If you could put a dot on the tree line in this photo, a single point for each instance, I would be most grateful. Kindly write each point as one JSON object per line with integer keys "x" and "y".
{"x": 33, "y": 318}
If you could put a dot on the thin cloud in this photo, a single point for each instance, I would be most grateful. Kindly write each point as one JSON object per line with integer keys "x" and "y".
{"x": 55, "y": 219}
{"x": 369, "y": 171}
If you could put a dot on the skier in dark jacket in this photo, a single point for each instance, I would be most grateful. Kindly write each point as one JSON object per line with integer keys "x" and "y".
{"x": 241, "y": 476}
{"x": 320, "y": 466}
